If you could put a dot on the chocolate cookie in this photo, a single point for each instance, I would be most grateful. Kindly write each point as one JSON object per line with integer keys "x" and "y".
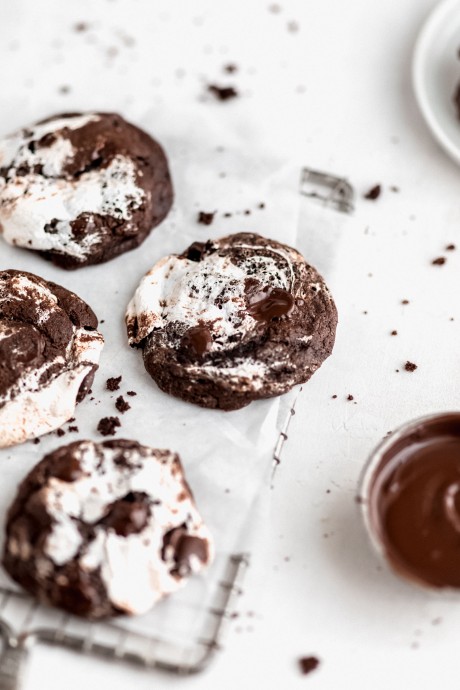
{"x": 100, "y": 529}
{"x": 82, "y": 188}
{"x": 232, "y": 321}
{"x": 49, "y": 352}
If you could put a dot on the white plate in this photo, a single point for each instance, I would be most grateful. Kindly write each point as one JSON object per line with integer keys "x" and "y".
{"x": 436, "y": 73}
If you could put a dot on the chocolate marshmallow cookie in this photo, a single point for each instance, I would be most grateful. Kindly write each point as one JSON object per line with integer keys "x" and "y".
{"x": 232, "y": 321}
{"x": 101, "y": 529}
{"x": 49, "y": 351}
{"x": 82, "y": 188}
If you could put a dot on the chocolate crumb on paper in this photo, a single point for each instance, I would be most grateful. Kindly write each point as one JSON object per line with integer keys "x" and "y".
{"x": 205, "y": 218}
{"x": 373, "y": 193}
{"x": 440, "y": 261}
{"x": 131, "y": 393}
{"x": 222, "y": 93}
{"x": 450, "y": 247}
{"x": 122, "y": 405}
{"x": 394, "y": 333}
{"x": 351, "y": 397}
{"x": 308, "y": 664}
{"x": 113, "y": 384}
{"x": 108, "y": 425}
{"x": 410, "y": 366}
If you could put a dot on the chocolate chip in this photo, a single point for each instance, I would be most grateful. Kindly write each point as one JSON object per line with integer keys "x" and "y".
{"x": 128, "y": 515}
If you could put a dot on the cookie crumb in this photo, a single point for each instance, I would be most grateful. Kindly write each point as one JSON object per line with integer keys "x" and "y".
{"x": 394, "y": 333}
{"x": 64, "y": 89}
{"x": 205, "y": 218}
{"x": 230, "y": 68}
{"x": 374, "y": 192}
{"x": 405, "y": 301}
{"x": 334, "y": 397}
{"x": 60, "y": 432}
{"x": 261, "y": 205}
{"x": 222, "y": 93}
{"x": 440, "y": 261}
{"x": 131, "y": 393}
{"x": 107, "y": 425}
{"x": 410, "y": 366}
{"x": 73, "y": 429}
{"x": 121, "y": 404}
{"x": 450, "y": 247}
{"x": 293, "y": 27}
{"x": 395, "y": 189}
{"x": 350, "y": 397}
{"x": 308, "y": 664}
{"x": 80, "y": 27}
{"x": 113, "y": 384}
{"x": 36, "y": 441}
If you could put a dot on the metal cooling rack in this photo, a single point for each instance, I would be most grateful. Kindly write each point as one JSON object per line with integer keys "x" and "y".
{"x": 24, "y": 623}
{"x": 334, "y": 192}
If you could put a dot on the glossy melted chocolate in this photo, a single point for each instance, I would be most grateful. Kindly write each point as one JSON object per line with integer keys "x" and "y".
{"x": 414, "y": 502}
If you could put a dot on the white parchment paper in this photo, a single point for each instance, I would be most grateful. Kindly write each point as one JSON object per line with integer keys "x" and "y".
{"x": 227, "y": 456}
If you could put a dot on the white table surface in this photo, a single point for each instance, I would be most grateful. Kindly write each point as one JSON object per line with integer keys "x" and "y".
{"x": 337, "y": 95}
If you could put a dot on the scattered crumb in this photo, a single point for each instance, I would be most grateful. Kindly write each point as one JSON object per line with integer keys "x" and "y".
{"x": 440, "y": 261}
{"x": 205, "y": 218}
{"x": 261, "y": 205}
{"x": 395, "y": 189}
{"x": 60, "y": 432}
{"x": 121, "y": 404}
{"x": 334, "y": 397}
{"x": 405, "y": 301}
{"x": 107, "y": 425}
{"x": 227, "y": 215}
{"x": 36, "y": 441}
{"x": 230, "y": 68}
{"x": 394, "y": 333}
{"x": 293, "y": 27}
{"x": 373, "y": 193}
{"x": 73, "y": 429}
{"x": 222, "y": 93}
{"x": 131, "y": 393}
{"x": 64, "y": 90}
{"x": 113, "y": 384}
{"x": 450, "y": 247}
{"x": 80, "y": 27}
{"x": 350, "y": 397}
{"x": 410, "y": 366}
{"x": 276, "y": 9}
{"x": 308, "y": 664}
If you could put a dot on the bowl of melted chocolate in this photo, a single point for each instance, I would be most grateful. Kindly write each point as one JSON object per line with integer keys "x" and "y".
{"x": 410, "y": 499}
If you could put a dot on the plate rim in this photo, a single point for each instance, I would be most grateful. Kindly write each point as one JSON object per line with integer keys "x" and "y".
{"x": 427, "y": 32}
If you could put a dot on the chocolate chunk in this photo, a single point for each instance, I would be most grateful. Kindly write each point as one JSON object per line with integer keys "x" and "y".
{"x": 185, "y": 547}
{"x": 266, "y": 304}
{"x": 128, "y": 515}
{"x": 198, "y": 339}
{"x": 196, "y": 251}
